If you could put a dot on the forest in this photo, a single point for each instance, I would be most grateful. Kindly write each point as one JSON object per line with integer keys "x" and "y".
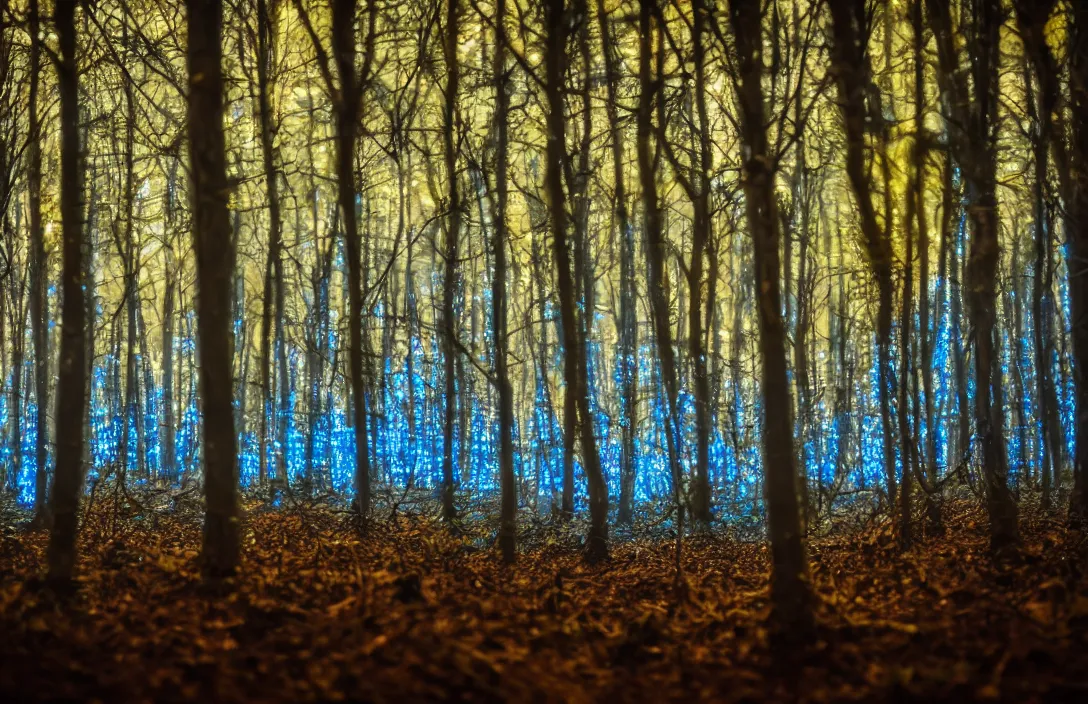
{"x": 571, "y": 350}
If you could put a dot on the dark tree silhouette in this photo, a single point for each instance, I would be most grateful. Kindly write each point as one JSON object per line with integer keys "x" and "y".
{"x": 38, "y": 266}
{"x": 215, "y": 277}
{"x": 789, "y": 581}
{"x": 500, "y": 77}
{"x": 452, "y": 254}
{"x": 1078, "y": 238}
{"x": 71, "y": 382}
{"x": 574, "y": 365}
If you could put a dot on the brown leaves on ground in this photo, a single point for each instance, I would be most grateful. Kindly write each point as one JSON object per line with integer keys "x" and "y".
{"x": 410, "y": 613}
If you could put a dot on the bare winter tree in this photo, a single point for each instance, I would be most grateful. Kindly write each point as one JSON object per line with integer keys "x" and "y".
{"x": 215, "y": 276}
{"x": 1078, "y": 237}
{"x": 452, "y": 254}
{"x": 71, "y": 382}
{"x": 973, "y": 137}
{"x": 500, "y": 77}
{"x": 38, "y": 272}
{"x": 556, "y": 32}
{"x": 347, "y": 90}
{"x": 850, "y": 62}
{"x": 789, "y": 581}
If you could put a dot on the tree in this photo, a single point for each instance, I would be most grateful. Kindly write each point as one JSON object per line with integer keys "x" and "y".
{"x": 124, "y": 235}
{"x": 1078, "y": 238}
{"x": 973, "y": 137}
{"x": 272, "y": 334}
{"x": 628, "y": 326}
{"x": 347, "y": 91}
{"x": 1042, "y": 103}
{"x": 695, "y": 182}
{"x": 38, "y": 272}
{"x": 574, "y": 363}
{"x": 451, "y": 280}
{"x": 916, "y": 204}
{"x": 850, "y": 64}
{"x": 653, "y": 239}
{"x": 790, "y": 593}
{"x": 500, "y": 77}
{"x": 215, "y": 276}
{"x": 71, "y": 379}
{"x": 13, "y": 143}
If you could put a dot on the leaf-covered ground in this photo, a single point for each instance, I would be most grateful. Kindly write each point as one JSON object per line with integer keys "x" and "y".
{"x": 411, "y": 613}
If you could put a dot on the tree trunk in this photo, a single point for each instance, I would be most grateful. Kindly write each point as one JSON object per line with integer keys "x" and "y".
{"x": 544, "y": 405}
{"x": 1078, "y": 239}
{"x": 628, "y": 324}
{"x": 508, "y": 517}
{"x": 579, "y": 184}
{"x": 169, "y": 424}
{"x": 347, "y": 114}
{"x": 1045, "y": 112}
{"x": 272, "y": 304}
{"x": 38, "y": 274}
{"x": 980, "y": 168}
{"x": 126, "y": 248}
{"x": 925, "y": 348}
{"x": 573, "y": 346}
{"x": 90, "y": 305}
{"x": 700, "y": 243}
{"x": 71, "y": 386}
{"x": 18, "y": 352}
{"x": 906, "y": 361}
{"x": 653, "y": 240}
{"x": 851, "y": 68}
{"x": 790, "y": 595}
{"x": 453, "y": 234}
{"x": 215, "y": 274}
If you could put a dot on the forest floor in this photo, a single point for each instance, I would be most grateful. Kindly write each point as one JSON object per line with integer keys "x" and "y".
{"x": 409, "y": 613}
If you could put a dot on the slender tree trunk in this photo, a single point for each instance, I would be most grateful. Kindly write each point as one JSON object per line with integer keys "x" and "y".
{"x": 906, "y": 316}
{"x": 790, "y": 595}
{"x": 508, "y": 518}
{"x": 628, "y": 361}
{"x": 959, "y": 363}
{"x": 851, "y": 68}
{"x": 169, "y": 447}
{"x": 453, "y": 234}
{"x": 147, "y": 403}
{"x": 573, "y": 346}
{"x": 272, "y": 305}
{"x": 1011, "y": 300}
{"x": 18, "y": 360}
{"x": 1041, "y": 283}
{"x": 347, "y": 113}
{"x": 91, "y": 310}
{"x": 1078, "y": 238}
{"x": 700, "y": 244}
{"x": 925, "y": 354}
{"x": 654, "y": 244}
{"x": 38, "y": 274}
{"x": 579, "y": 183}
{"x": 215, "y": 272}
{"x": 544, "y": 441}
{"x": 801, "y": 332}
{"x": 71, "y": 401}
{"x": 127, "y": 249}
{"x": 1045, "y": 112}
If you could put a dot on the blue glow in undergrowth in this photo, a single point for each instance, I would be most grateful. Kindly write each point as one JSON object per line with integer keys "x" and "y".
{"x": 840, "y": 440}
